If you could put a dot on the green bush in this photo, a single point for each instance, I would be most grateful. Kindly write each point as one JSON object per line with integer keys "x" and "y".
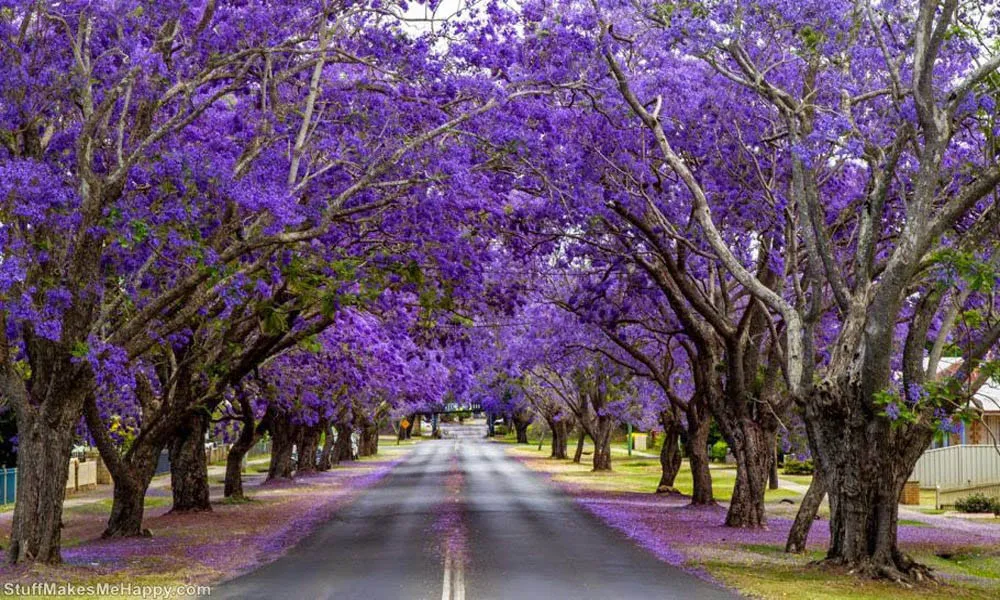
{"x": 978, "y": 503}
{"x": 718, "y": 451}
{"x": 799, "y": 467}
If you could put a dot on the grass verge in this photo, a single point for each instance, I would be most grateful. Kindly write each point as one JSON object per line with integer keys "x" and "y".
{"x": 754, "y": 562}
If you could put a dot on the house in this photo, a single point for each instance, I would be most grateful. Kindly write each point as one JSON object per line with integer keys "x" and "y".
{"x": 979, "y": 432}
{"x": 967, "y": 461}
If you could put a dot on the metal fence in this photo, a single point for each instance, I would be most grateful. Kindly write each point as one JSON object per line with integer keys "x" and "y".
{"x": 261, "y": 448}
{"x": 8, "y": 485}
{"x": 958, "y": 466}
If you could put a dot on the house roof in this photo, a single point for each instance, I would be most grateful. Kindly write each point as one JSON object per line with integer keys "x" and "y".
{"x": 988, "y": 395}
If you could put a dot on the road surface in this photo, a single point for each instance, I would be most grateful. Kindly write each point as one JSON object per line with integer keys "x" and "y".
{"x": 459, "y": 519}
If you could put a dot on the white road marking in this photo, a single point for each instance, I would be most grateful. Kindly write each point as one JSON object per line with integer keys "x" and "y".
{"x": 446, "y": 586}
{"x": 459, "y": 580}
{"x": 453, "y": 586}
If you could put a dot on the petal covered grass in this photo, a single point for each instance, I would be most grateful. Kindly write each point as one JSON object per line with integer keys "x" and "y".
{"x": 204, "y": 547}
{"x": 966, "y": 560}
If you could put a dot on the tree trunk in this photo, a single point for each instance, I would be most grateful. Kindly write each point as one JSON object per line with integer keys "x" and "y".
{"x": 189, "y": 466}
{"x": 128, "y": 503}
{"x": 550, "y": 422}
{"x": 521, "y": 427}
{"x": 47, "y": 409}
{"x": 308, "y": 447}
{"x": 696, "y": 448}
{"x": 131, "y": 481}
{"x": 578, "y": 455}
{"x": 522, "y": 419}
{"x": 865, "y": 461}
{"x": 863, "y": 529}
{"x": 343, "y": 451}
{"x": 131, "y": 473}
{"x": 326, "y": 456}
{"x": 368, "y": 445}
{"x": 233, "y": 487}
{"x": 670, "y": 453}
{"x": 772, "y": 477}
{"x": 560, "y": 433}
{"x": 602, "y": 455}
{"x": 43, "y": 459}
{"x": 753, "y": 453}
{"x": 602, "y": 443}
{"x": 799, "y": 533}
{"x": 282, "y": 440}
{"x": 563, "y": 426}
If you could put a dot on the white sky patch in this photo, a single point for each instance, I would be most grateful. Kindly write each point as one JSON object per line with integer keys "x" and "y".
{"x": 420, "y": 18}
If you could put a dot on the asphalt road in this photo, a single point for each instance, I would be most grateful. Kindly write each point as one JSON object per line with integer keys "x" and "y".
{"x": 458, "y": 519}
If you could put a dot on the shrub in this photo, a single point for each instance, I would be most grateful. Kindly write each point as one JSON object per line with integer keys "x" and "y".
{"x": 798, "y": 467}
{"x": 718, "y": 451}
{"x": 978, "y": 503}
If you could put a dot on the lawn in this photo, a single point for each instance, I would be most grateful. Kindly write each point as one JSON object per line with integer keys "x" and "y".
{"x": 763, "y": 575}
{"x": 800, "y": 479}
{"x": 103, "y": 507}
{"x": 635, "y": 473}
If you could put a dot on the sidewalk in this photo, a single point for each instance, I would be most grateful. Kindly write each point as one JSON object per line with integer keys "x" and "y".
{"x": 953, "y": 523}
{"x": 158, "y": 487}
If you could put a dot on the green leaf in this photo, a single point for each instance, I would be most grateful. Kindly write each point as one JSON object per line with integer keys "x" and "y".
{"x": 80, "y": 350}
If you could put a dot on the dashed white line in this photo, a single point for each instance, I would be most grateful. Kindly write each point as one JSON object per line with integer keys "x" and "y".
{"x": 459, "y": 581}
{"x": 446, "y": 586}
{"x": 453, "y": 586}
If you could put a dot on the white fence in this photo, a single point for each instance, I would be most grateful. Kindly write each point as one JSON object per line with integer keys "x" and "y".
{"x": 957, "y": 466}
{"x": 86, "y": 475}
{"x": 71, "y": 476}
{"x": 948, "y": 498}
{"x": 81, "y": 476}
